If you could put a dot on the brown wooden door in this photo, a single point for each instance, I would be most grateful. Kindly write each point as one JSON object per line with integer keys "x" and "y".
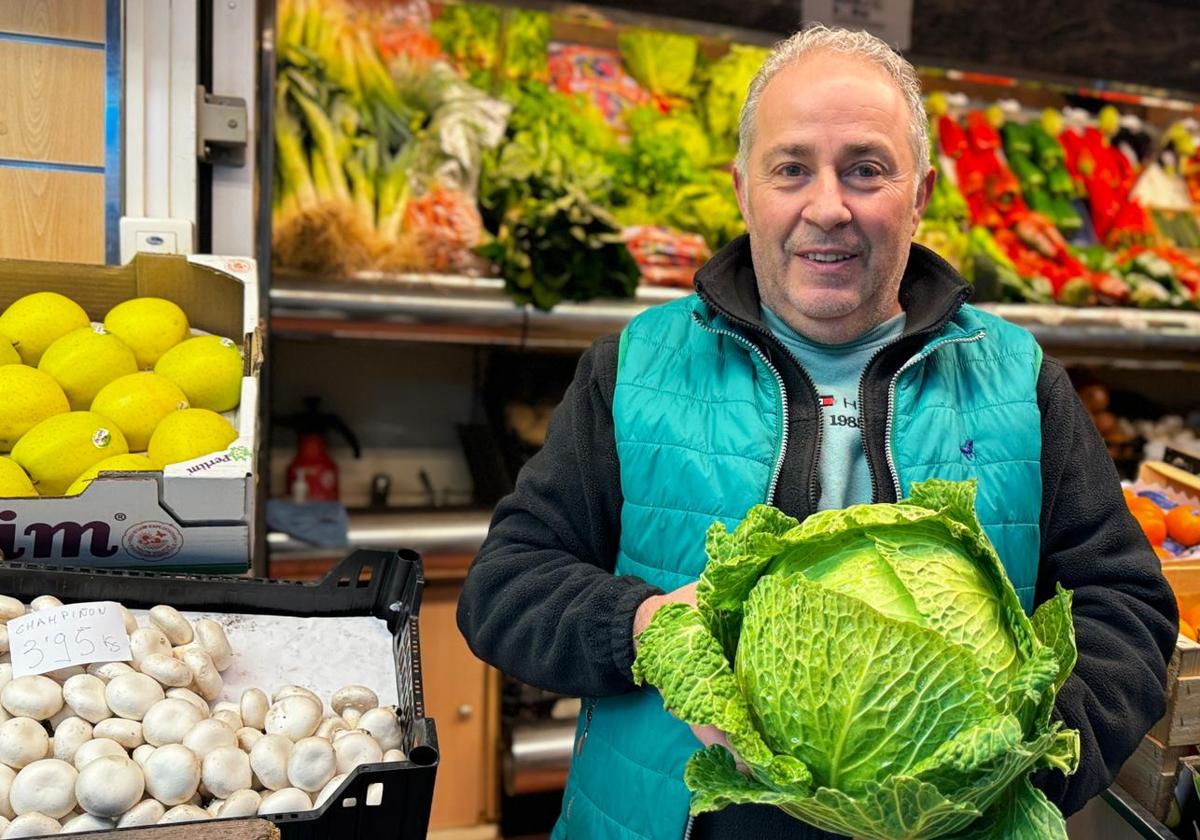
{"x": 458, "y": 698}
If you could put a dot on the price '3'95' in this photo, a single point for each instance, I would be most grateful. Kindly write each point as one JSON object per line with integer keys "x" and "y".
{"x": 65, "y": 650}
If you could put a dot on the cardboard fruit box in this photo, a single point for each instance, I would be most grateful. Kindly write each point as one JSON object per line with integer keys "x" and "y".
{"x": 196, "y": 514}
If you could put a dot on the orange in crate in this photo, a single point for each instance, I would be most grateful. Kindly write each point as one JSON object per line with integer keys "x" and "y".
{"x": 1154, "y": 524}
{"x": 1183, "y": 525}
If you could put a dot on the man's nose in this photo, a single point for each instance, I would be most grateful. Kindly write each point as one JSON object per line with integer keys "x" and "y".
{"x": 826, "y": 207}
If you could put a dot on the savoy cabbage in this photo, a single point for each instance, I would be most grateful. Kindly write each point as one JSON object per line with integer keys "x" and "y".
{"x": 874, "y": 671}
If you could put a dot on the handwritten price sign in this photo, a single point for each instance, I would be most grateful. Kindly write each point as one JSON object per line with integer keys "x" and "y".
{"x": 75, "y": 634}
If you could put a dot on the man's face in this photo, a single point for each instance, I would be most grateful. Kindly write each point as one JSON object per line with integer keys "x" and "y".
{"x": 830, "y": 196}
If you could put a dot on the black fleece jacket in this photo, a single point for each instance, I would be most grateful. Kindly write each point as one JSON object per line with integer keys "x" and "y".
{"x": 541, "y": 601}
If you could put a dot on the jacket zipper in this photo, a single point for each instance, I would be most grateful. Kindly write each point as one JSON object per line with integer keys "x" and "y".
{"x": 588, "y": 710}
{"x": 782, "y": 396}
{"x": 891, "y": 406}
{"x": 687, "y": 829}
{"x": 862, "y": 396}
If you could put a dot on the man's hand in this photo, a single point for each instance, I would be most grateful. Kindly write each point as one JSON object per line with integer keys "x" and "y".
{"x": 647, "y": 609}
{"x": 706, "y": 735}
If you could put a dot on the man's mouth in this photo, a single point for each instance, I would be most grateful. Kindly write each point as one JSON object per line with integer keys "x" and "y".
{"x": 826, "y": 257}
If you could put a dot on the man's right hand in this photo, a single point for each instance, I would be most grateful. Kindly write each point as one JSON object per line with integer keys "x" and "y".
{"x": 706, "y": 735}
{"x": 647, "y": 609}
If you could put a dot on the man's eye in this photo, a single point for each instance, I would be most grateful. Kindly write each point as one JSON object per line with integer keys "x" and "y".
{"x": 791, "y": 170}
{"x": 867, "y": 170}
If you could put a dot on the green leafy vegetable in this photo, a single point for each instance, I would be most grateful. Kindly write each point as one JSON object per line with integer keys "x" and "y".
{"x": 874, "y": 671}
{"x": 726, "y": 82}
{"x": 661, "y": 62}
{"x": 541, "y": 196}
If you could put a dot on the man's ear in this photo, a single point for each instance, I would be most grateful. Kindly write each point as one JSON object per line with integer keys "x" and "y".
{"x": 739, "y": 189}
{"x": 924, "y": 191}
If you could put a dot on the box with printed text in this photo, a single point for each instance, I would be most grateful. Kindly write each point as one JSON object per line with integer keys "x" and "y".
{"x": 197, "y": 513}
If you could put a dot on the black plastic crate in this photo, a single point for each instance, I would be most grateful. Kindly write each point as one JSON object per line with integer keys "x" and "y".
{"x": 379, "y": 583}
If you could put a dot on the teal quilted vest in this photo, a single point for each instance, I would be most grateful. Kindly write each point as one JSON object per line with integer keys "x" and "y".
{"x": 698, "y": 415}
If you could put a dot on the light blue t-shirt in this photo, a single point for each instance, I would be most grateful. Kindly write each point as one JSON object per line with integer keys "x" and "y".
{"x": 836, "y": 370}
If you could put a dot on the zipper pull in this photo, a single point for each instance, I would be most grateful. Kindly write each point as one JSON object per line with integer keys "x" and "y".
{"x": 586, "y": 726}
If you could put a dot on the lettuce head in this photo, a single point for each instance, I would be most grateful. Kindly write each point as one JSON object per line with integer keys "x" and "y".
{"x": 874, "y": 672}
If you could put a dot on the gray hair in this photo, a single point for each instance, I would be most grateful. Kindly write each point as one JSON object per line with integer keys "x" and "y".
{"x": 819, "y": 38}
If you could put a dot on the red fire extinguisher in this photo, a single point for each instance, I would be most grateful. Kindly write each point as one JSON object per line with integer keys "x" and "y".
{"x": 312, "y": 476}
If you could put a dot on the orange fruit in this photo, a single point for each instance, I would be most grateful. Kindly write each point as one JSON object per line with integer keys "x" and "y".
{"x": 1186, "y": 629}
{"x": 1153, "y": 524}
{"x": 1191, "y": 615}
{"x": 1142, "y": 503}
{"x": 1183, "y": 525}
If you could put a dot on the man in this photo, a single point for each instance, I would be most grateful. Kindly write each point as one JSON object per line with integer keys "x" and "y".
{"x": 824, "y": 360}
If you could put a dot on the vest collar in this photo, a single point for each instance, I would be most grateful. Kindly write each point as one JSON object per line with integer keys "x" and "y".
{"x": 931, "y": 291}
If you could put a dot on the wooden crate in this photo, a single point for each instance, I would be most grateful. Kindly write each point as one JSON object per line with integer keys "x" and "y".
{"x": 1150, "y": 773}
{"x": 1180, "y": 726}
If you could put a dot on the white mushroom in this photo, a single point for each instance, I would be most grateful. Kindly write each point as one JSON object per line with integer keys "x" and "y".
{"x": 213, "y": 807}
{"x": 10, "y": 608}
{"x": 146, "y": 812}
{"x": 86, "y": 822}
{"x": 3, "y": 638}
{"x": 32, "y": 825}
{"x": 168, "y": 670}
{"x": 110, "y": 786}
{"x": 131, "y": 695}
{"x": 206, "y": 677}
{"x": 127, "y": 733}
{"x": 241, "y": 803}
{"x": 171, "y": 622}
{"x": 384, "y": 726}
{"x": 44, "y": 602}
{"x": 358, "y": 698}
{"x": 184, "y": 813}
{"x": 311, "y": 764}
{"x": 285, "y": 801}
{"x": 145, "y": 641}
{"x": 190, "y": 696}
{"x": 46, "y": 786}
{"x": 253, "y": 708}
{"x": 331, "y": 787}
{"x": 394, "y": 755}
{"x": 231, "y": 719}
{"x": 84, "y": 694}
{"x": 207, "y": 735}
{"x": 7, "y": 774}
{"x": 225, "y": 771}
{"x": 172, "y": 774}
{"x": 330, "y": 726}
{"x": 168, "y": 720}
{"x": 69, "y": 736}
{"x": 107, "y": 670}
{"x": 295, "y": 716}
{"x": 61, "y": 675}
{"x": 130, "y": 621}
{"x": 95, "y": 749}
{"x": 294, "y": 690}
{"x": 22, "y": 741}
{"x": 269, "y": 760}
{"x": 247, "y": 737}
{"x": 212, "y": 637}
{"x": 34, "y": 697}
{"x": 140, "y": 754}
{"x": 356, "y": 748}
